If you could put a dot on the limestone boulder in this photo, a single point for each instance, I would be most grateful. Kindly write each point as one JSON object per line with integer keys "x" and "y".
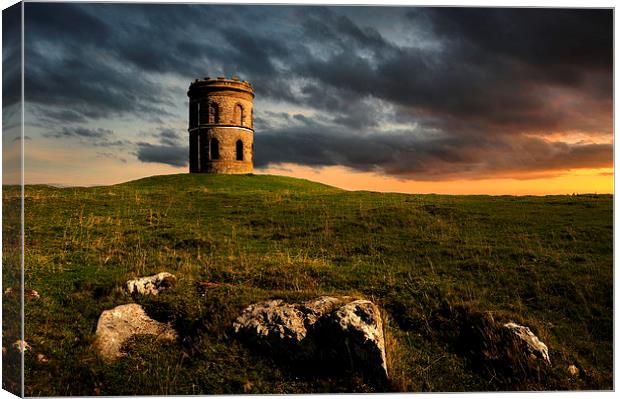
{"x": 116, "y": 326}
{"x": 315, "y": 309}
{"x": 338, "y": 333}
{"x": 150, "y": 285}
{"x": 528, "y": 342}
{"x": 272, "y": 324}
{"x": 357, "y": 326}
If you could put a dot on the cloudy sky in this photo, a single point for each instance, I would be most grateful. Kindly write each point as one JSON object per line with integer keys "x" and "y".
{"x": 452, "y": 100}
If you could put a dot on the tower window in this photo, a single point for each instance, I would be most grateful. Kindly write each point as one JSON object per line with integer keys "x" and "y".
{"x": 239, "y": 116}
{"x": 214, "y": 149}
{"x": 214, "y": 113}
{"x": 239, "y": 150}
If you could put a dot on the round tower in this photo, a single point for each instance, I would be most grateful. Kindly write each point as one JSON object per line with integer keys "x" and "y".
{"x": 221, "y": 126}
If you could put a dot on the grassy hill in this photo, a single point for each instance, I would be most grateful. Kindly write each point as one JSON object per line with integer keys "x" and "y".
{"x": 433, "y": 263}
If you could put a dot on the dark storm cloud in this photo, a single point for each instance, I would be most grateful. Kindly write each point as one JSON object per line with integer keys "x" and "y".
{"x": 169, "y": 136}
{"x": 97, "y": 137}
{"x": 477, "y": 87}
{"x": 11, "y": 55}
{"x": 66, "y": 22}
{"x": 92, "y": 90}
{"x": 464, "y": 81}
{"x": 97, "y": 60}
{"x": 407, "y": 155}
{"x": 471, "y": 90}
{"x": 553, "y": 39}
{"x": 166, "y": 154}
{"x": 328, "y": 26}
{"x": 84, "y": 132}
{"x": 169, "y": 149}
{"x": 64, "y": 115}
{"x": 74, "y": 72}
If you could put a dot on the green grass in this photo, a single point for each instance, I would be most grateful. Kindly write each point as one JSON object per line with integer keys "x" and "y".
{"x": 11, "y": 278}
{"x": 433, "y": 263}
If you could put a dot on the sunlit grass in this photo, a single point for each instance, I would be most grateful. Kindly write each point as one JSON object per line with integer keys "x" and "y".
{"x": 429, "y": 261}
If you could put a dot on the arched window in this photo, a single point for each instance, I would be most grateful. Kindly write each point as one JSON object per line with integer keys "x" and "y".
{"x": 214, "y": 149}
{"x": 214, "y": 113}
{"x": 239, "y": 150}
{"x": 239, "y": 117}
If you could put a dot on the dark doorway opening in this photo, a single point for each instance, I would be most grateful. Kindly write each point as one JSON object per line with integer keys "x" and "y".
{"x": 239, "y": 150}
{"x": 214, "y": 148}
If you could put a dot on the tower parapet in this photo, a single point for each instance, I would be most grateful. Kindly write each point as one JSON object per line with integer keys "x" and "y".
{"x": 221, "y": 126}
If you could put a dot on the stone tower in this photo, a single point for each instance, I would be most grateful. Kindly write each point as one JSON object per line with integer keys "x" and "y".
{"x": 221, "y": 127}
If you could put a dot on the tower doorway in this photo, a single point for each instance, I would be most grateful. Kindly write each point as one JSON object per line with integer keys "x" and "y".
{"x": 214, "y": 149}
{"x": 239, "y": 150}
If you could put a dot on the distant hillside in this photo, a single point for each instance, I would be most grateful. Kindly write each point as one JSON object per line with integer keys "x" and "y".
{"x": 435, "y": 264}
{"x": 225, "y": 183}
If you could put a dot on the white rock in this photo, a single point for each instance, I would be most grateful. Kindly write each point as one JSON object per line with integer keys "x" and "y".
{"x": 314, "y": 309}
{"x": 21, "y": 345}
{"x": 271, "y": 319}
{"x": 31, "y": 294}
{"x": 116, "y": 326}
{"x": 530, "y": 342}
{"x": 361, "y": 327}
{"x": 336, "y": 330}
{"x": 150, "y": 285}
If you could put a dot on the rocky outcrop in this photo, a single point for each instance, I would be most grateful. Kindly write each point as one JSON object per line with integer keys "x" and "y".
{"x": 528, "y": 342}
{"x": 273, "y": 324}
{"x": 116, "y": 326}
{"x": 337, "y": 332}
{"x": 506, "y": 352}
{"x": 357, "y": 326}
{"x": 314, "y": 309}
{"x": 150, "y": 285}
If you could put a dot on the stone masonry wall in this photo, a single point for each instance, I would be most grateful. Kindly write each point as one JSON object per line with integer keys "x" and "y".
{"x": 227, "y": 141}
{"x": 234, "y": 122}
{"x": 226, "y": 103}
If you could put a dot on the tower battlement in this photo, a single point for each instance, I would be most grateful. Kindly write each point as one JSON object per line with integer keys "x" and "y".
{"x": 220, "y": 83}
{"x": 221, "y": 126}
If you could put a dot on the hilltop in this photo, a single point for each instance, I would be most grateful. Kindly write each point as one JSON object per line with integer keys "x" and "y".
{"x": 433, "y": 263}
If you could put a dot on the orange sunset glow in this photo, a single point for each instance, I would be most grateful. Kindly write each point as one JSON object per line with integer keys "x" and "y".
{"x": 580, "y": 181}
